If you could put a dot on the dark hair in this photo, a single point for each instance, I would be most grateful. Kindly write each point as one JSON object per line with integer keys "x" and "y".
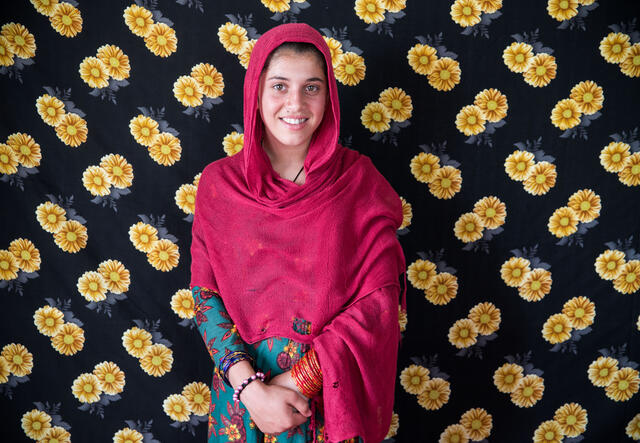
{"x": 298, "y": 48}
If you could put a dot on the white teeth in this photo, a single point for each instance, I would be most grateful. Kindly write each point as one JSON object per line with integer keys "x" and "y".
{"x": 294, "y": 121}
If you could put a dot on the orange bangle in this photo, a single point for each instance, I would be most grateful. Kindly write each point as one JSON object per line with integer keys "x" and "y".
{"x": 307, "y": 375}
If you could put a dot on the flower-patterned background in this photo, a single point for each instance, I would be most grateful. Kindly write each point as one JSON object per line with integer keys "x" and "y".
{"x": 509, "y": 128}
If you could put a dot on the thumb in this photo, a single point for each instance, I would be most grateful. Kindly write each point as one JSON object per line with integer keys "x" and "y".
{"x": 301, "y": 405}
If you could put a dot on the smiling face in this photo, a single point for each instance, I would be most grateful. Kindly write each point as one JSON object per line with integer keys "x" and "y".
{"x": 292, "y": 99}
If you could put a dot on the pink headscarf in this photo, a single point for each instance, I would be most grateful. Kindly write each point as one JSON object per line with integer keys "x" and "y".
{"x": 307, "y": 262}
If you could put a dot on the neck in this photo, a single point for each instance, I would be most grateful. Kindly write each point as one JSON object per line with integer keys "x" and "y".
{"x": 283, "y": 157}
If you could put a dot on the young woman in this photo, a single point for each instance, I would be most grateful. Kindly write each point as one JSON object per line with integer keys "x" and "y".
{"x": 296, "y": 264}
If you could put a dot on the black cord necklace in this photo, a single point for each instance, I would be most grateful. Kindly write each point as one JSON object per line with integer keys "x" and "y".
{"x": 294, "y": 180}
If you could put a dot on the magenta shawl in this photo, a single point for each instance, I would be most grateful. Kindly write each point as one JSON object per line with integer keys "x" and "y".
{"x": 308, "y": 262}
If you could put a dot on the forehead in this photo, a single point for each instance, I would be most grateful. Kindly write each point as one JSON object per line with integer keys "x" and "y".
{"x": 291, "y": 64}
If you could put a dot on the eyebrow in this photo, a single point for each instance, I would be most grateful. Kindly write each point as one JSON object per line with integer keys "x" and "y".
{"x": 312, "y": 79}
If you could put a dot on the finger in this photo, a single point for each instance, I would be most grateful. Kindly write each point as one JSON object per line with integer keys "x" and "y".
{"x": 301, "y": 405}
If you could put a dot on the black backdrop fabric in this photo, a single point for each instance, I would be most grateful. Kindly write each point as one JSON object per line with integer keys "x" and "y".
{"x": 150, "y": 198}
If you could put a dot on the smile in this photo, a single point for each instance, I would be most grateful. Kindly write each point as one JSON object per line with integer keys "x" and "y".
{"x": 294, "y": 121}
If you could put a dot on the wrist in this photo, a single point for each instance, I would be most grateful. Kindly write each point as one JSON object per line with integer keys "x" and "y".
{"x": 253, "y": 391}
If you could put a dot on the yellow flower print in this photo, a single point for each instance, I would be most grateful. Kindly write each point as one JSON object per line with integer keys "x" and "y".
{"x": 614, "y": 155}
{"x": 628, "y": 281}
{"x": 586, "y": 204}
{"x": 157, "y": 360}
{"x": 8, "y": 160}
{"x": 4, "y": 370}
{"x": 465, "y": 12}
{"x": 186, "y": 198}
{"x": 128, "y": 435}
{"x": 116, "y": 61}
{"x": 435, "y": 395}
{"x": 50, "y": 109}
{"x": 209, "y": 79}
{"x": 507, "y": 377}
{"x": 589, "y": 97}
{"x": 96, "y": 181}
{"x": 514, "y": 271}
{"x": 50, "y": 216}
{"x": 609, "y": 264}
{"x": 370, "y": 11}
{"x": 48, "y": 320}
{"x": 572, "y": 418}
{"x": 182, "y": 304}
{"x": 491, "y": 211}
{"x": 394, "y": 5}
{"x": 407, "y": 213}
{"x": 70, "y": 339}
{"x": 247, "y": 49}
{"x": 19, "y": 359}
{"x": 478, "y": 423}
{"x": 468, "y": 227}
{"x": 21, "y": 41}
{"x": 470, "y": 120}
{"x": 422, "y": 58}
{"x": 486, "y": 317}
{"x": 26, "y": 254}
{"x": 424, "y": 166}
{"x": 56, "y": 434}
{"x": 115, "y": 275}
{"x": 549, "y": 431}
{"x": 138, "y": 19}
{"x": 402, "y": 318}
{"x": 136, "y": 341}
{"x": 445, "y": 74}
{"x": 624, "y": 384}
{"x": 630, "y": 65}
{"x": 66, "y": 19}
{"x": 517, "y": 56}
{"x": 393, "y": 427}
{"x": 187, "y": 90}
{"x": 86, "y": 388}
{"x": 397, "y": 102}
{"x": 232, "y": 143}
{"x": 421, "y": 273}
{"x": 493, "y": 104}
{"x": 165, "y": 149}
{"x": 630, "y": 172}
{"x": 161, "y": 40}
{"x": 94, "y": 72}
{"x": 454, "y": 434}
{"x": 562, "y": 9}
{"x": 44, "y": 7}
{"x": 528, "y": 391}
{"x": 580, "y": 311}
{"x": 8, "y": 265}
{"x": 72, "y": 236}
{"x": 118, "y": 169}
{"x": 164, "y": 255}
{"x": 490, "y": 6}
{"x": 536, "y": 285}
{"x": 563, "y": 222}
{"x": 350, "y": 69}
{"x": 335, "y": 48}
{"x": 446, "y": 182}
{"x": 541, "y": 178}
{"x": 72, "y": 130}
{"x": 26, "y": 149}
{"x": 375, "y": 117}
{"x": 111, "y": 379}
{"x": 35, "y": 423}
{"x": 198, "y": 397}
{"x": 92, "y": 286}
{"x": 196, "y": 179}
{"x": 277, "y": 5}
{"x": 143, "y": 236}
{"x": 463, "y": 333}
{"x": 233, "y": 37}
{"x": 144, "y": 129}
{"x": 442, "y": 289}
{"x": 602, "y": 370}
{"x": 557, "y": 329}
{"x": 6, "y": 53}
{"x": 614, "y": 47}
{"x": 414, "y": 379}
{"x": 566, "y": 114}
{"x": 633, "y": 427}
{"x": 540, "y": 70}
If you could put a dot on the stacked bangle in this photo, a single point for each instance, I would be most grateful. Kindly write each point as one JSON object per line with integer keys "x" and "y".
{"x": 229, "y": 359}
{"x": 307, "y": 374}
{"x": 245, "y": 382}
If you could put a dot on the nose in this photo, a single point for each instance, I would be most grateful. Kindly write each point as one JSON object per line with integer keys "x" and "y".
{"x": 294, "y": 100}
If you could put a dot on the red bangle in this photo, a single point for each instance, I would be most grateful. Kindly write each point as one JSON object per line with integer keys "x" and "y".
{"x": 307, "y": 375}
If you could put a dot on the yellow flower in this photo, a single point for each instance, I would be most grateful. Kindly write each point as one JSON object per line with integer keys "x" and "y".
{"x": 8, "y": 160}
{"x": 393, "y": 427}
{"x": 540, "y": 70}
{"x": 119, "y": 170}
{"x": 144, "y": 129}
{"x": 51, "y": 109}
{"x": 232, "y": 143}
{"x": 44, "y": 7}
{"x": 435, "y": 394}
{"x": 26, "y": 149}
{"x": 609, "y": 264}
{"x": 86, "y": 388}
{"x": 394, "y": 5}
{"x": 566, "y": 114}
{"x": 528, "y": 391}
{"x": 397, "y": 102}
{"x": 115, "y": 275}
{"x": 572, "y": 418}
{"x": 128, "y": 435}
{"x": 157, "y": 360}
{"x": 628, "y": 281}
{"x": 110, "y": 377}
{"x": 48, "y": 320}
{"x": 463, "y": 333}
{"x": 422, "y": 58}
{"x": 278, "y": 5}
{"x": 486, "y": 317}
{"x": 442, "y": 289}
{"x": 602, "y": 370}
{"x": 161, "y": 40}
{"x": 70, "y": 339}
{"x": 586, "y": 204}
{"x": 350, "y": 69}
{"x": 143, "y": 236}
{"x": 630, "y": 173}
{"x": 557, "y": 329}
{"x": 36, "y": 423}
{"x": 375, "y": 117}
{"x": 454, "y": 434}
{"x": 446, "y": 182}
{"x": 186, "y": 197}
{"x": 116, "y": 61}
{"x": 514, "y": 271}
{"x": 445, "y": 74}
{"x": 402, "y": 318}
{"x": 176, "y": 407}
{"x": 50, "y": 216}
{"x": 233, "y": 37}
{"x": 66, "y": 19}
{"x": 182, "y": 304}
{"x": 541, "y": 178}
{"x": 614, "y": 47}
{"x": 563, "y": 222}
{"x": 465, "y": 12}
{"x": 4, "y": 370}
{"x": 165, "y": 149}
{"x": 196, "y": 179}
{"x": 536, "y": 285}
{"x": 164, "y": 255}
{"x": 624, "y": 384}
{"x": 187, "y": 90}
{"x": 8, "y": 265}
{"x": 478, "y": 423}
{"x": 335, "y": 48}
{"x": 136, "y": 341}
{"x": 491, "y": 211}
{"x": 21, "y": 41}
{"x": 92, "y": 286}
{"x": 56, "y": 434}
{"x": 138, "y": 19}
{"x": 580, "y": 311}
{"x": 6, "y": 53}
{"x": 72, "y": 130}
{"x": 96, "y": 181}
{"x": 19, "y": 359}
{"x": 614, "y": 155}
{"x": 630, "y": 65}
{"x": 72, "y": 236}
{"x": 470, "y": 120}
{"x": 407, "y": 213}
{"x": 493, "y": 104}
{"x": 633, "y": 427}
{"x": 424, "y": 166}
{"x": 26, "y": 254}
{"x": 507, "y": 377}
{"x": 245, "y": 54}
{"x": 94, "y": 72}
{"x": 370, "y": 11}
{"x": 562, "y": 9}
{"x": 517, "y": 56}
{"x": 490, "y": 6}
{"x": 198, "y": 397}
{"x": 421, "y": 273}
{"x": 589, "y": 97}
{"x": 209, "y": 79}
{"x": 468, "y": 227}
{"x": 414, "y": 379}
{"x": 549, "y": 431}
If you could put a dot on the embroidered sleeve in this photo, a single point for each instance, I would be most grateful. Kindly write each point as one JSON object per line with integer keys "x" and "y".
{"x": 307, "y": 375}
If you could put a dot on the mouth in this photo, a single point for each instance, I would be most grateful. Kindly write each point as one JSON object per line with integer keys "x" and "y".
{"x": 294, "y": 122}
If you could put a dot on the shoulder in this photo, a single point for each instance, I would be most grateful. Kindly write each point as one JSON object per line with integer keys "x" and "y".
{"x": 221, "y": 167}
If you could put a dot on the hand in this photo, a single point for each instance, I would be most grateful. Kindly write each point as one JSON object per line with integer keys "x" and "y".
{"x": 286, "y": 381}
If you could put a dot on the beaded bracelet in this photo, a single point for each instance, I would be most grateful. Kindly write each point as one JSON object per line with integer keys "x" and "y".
{"x": 245, "y": 382}
{"x": 229, "y": 359}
